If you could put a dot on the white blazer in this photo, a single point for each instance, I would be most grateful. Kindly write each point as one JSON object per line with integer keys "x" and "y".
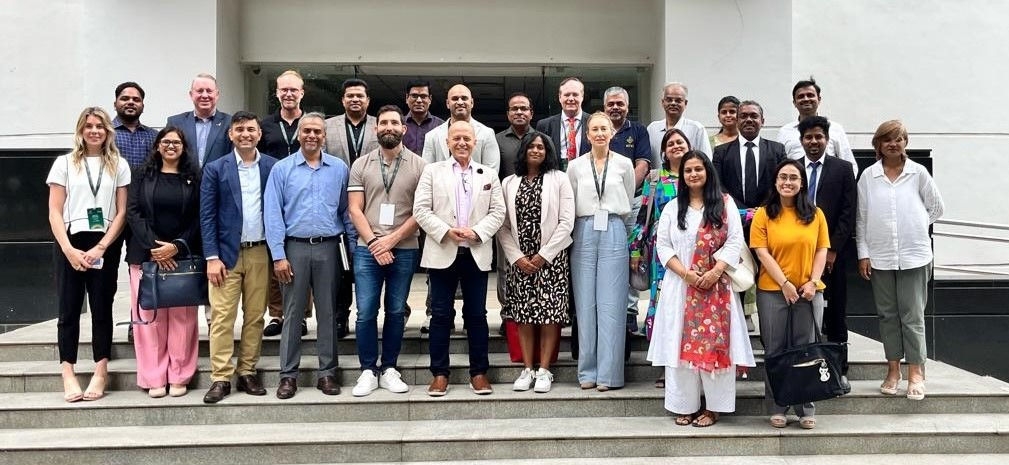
{"x": 434, "y": 209}
{"x": 486, "y": 151}
{"x": 557, "y": 216}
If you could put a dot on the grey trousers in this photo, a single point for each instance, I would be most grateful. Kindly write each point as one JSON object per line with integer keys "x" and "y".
{"x": 772, "y": 310}
{"x": 315, "y": 266}
{"x": 900, "y": 297}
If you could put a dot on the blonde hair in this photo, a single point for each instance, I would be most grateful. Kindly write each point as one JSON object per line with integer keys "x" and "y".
{"x": 110, "y": 152}
{"x": 292, "y": 73}
{"x": 888, "y": 130}
{"x": 595, "y": 115}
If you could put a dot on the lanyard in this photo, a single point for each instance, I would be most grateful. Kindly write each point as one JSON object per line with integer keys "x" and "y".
{"x": 287, "y": 140}
{"x": 356, "y": 138}
{"x": 387, "y": 182}
{"x": 94, "y": 187}
{"x": 600, "y": 187}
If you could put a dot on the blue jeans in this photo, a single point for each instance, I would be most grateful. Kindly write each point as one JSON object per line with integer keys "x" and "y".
{"x": 370, "y": 276}
{"x": 474, "y": 313}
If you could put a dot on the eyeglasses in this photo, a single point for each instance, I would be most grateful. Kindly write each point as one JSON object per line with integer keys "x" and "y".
{"x": 676, "y": 100}
{"x": 288, "y": 90}
{"x": 519, "y": 109}
{"x": 418, "y": 96}
{"x": 788, "y": 178}
{"x": 169, "y": 143}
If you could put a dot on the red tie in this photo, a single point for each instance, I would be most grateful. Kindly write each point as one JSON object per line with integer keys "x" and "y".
{"x": 572, "y": 145}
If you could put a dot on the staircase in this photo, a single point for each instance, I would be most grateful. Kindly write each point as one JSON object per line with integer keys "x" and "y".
{"x": 964, "y": 419}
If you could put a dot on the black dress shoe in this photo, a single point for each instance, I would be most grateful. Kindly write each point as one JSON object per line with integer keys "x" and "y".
{"x": 273, "y": 329}
{"x": 304, "y": 328}
{"x": 250, "y": 385}
{"x": 341, "y": 330}
{"x": 218, "y": 391}
{"x": 328, "y": 385}
{"x": 287, "y": 388}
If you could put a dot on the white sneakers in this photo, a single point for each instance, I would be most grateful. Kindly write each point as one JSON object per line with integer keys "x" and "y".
{"x": 543, "y": 380}
{"x": 390, "y": 380}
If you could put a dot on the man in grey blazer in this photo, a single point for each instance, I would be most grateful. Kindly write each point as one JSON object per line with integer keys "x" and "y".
{"x": 569, "y": 125}
{"x": 205, "y": 128}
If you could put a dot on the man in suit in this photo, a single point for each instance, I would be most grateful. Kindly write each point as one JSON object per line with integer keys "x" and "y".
{"x": 567, "y": 129}
{"x": 238, "y": 262}
{"x": 205, "y": 128}
{"x": 460, "y": 206}
{"x": 832, "y": 187}
{"x": 746, "y": 165}
{"x": 460, "y": 106}
{"x": 349, "y": 136}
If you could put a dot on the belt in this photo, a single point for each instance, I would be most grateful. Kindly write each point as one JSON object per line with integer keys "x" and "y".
{"x": 464, "y": 251}
{"x": 250, "y": 244}
{"x": 313, "y": 240}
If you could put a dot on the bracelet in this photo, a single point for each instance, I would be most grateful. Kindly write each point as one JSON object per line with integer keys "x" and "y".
{"x": 782, "y": 285}
{"x": 372, "y": 241}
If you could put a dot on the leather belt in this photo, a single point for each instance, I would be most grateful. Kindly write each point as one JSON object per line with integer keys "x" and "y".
{"x": 250, "y": 244}
{"x": 313, "y": 240}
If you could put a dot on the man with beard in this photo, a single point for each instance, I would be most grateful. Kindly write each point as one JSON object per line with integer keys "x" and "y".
{"x": 133, "y": 139}
{"x": 420, "y": 121}
{"x": 380, "y": 200}
{"x": 806, "y": 98}
{"x": 674, "y": 102}
{"x": 460, "y": 106}
{"x": 631, "y": 141}
{"x": 205, "y": 128}
{"x": 567, "y": 129}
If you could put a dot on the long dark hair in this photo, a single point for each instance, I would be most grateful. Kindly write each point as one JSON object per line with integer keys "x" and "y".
{"x": 804, "y": 207}
{"x": 550, "y": 161}
{"x": 714, "y": 205}
{"x": 188, "y": 167}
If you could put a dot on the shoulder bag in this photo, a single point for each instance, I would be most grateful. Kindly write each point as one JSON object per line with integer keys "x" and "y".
{"x": 807, "y": 372}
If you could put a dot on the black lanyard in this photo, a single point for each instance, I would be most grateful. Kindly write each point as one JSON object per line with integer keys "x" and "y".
{"x": 386, "y": 181}
{"x": 287, "y": 140}
{"x": 356, "y": 135}
{"x": 94, "y": 187}
{"x": 600, "y": 187}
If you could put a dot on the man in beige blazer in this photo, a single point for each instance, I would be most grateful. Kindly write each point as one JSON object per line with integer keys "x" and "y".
{"x": 349, "y": 136}
{"x": 460, "y": 207}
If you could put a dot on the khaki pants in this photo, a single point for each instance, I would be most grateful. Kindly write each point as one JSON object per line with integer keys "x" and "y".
{"x": 248, "y": 280}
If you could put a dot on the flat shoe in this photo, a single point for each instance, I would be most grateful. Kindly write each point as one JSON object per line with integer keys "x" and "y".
{"x": 807, "y": 422}
{"x": 660, "y": 383}
{"x": 588, "y": 385}
{"x": 177, "y": 391}
{"x": 916, "y": 391}
{"x": 156, "y": 393}
{"x": 779, "y": 421}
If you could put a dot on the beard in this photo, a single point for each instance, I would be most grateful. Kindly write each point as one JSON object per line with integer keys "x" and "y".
{"x": 390, "y": 140}
{"x": 126, "y": 118}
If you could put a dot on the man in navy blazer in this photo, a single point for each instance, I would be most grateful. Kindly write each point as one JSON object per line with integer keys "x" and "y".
{"x": 732, "y": 160}
{"x": 832, "y": 184}
{"x": 570, "y": 94}
{"x": 238, "y": 260}
{"x": 205, "y": 128}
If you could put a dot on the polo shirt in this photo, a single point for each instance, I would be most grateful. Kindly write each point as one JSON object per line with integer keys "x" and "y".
{"x": 366, "y": 177}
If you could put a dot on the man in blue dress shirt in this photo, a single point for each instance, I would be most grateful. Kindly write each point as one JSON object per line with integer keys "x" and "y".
{"x": 307, "y": 227}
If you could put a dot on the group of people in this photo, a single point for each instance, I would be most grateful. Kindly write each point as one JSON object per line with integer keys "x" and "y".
{"x": 292, "y": 209}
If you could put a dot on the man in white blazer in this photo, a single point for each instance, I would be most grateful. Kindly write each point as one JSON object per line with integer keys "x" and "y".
{"x": 460, "y": 207}
{"x": 460, "y": 107}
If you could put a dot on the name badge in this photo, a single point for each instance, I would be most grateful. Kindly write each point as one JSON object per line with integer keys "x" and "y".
{"x": 601, "y": 220}
{"x": 386, "y": 214}
{"x": 96, "y": 220}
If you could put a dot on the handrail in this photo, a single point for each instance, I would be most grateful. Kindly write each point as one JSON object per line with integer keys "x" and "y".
{"x": 970, "y": 270}
{"x": 973, "y": 224}
{"x": 1003, "y": 240}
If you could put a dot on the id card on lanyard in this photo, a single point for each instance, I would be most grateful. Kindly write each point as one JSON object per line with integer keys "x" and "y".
{"x": 600, "y": 221}
{"x": 387, "y": 211}
{"x": 96, "y": 218}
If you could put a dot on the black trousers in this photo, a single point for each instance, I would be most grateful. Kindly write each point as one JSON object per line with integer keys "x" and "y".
{"x": 100, "y": 288}
{"x": 835, "y": 316}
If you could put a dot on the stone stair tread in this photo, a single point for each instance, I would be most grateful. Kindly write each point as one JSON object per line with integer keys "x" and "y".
{"x": 873, "y": 459}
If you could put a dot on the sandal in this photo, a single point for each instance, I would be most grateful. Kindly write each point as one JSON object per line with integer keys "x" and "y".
{"x": 705, "y": 419}
{"x": 96, "y": 388}
{"x": 916, "y": 390}
{"x": 660, "y": 383}
{"x": 72, "y": 390}
{"x": 779, "y": 420}
{"x": 889, "y": 389}
{"x": 807, "y": 422}
{"x": 684, "y": 420}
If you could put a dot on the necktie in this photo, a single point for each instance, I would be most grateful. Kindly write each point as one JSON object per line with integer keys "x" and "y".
{"x": 750, "y": 173}
{"x": 812, "y": 181}
{"x": 572, "y": 145}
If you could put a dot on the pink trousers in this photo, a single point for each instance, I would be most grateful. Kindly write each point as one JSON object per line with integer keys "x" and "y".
{"x": 167, "y": 349}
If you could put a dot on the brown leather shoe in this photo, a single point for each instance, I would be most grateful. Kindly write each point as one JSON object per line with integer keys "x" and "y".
{"x": 250, "y": 385}
{"x": 480, "y": 385}
{"x": 218, "y": 391}
{"x": 328, "y": 385}
{"x": 438, "y": 386}
{"x": 287, "y": 388}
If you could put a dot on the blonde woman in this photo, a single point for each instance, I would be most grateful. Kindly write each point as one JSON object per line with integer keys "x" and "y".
{"x": 87, "y": 212}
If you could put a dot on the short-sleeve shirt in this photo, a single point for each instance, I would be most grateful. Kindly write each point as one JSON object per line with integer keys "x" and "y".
{"x": 791, "y": 243}
{"x": 366, "y": 176}
{"x": 79, "y": 195}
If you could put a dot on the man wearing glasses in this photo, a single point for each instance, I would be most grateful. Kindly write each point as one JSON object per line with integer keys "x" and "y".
{"x": 420, "y": 121}
{"x": 674, "y": 102}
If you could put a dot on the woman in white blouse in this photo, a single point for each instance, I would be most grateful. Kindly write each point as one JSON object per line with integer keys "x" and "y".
{"x": 603, "y": 184}
{"x": 897, "y": 201}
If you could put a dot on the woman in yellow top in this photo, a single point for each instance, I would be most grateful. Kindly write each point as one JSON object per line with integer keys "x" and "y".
{"x": 789, "y": 234}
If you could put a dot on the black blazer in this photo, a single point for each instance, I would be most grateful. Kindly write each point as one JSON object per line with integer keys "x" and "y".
{"x": 140, "y": 213}
{"x": 836, "y": 196}
{"x": 551, "y": 126}
{"x": 730, "y": 170}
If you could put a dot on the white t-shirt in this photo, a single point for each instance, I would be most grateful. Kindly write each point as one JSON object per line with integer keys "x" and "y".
{"x": 79, "y": 195}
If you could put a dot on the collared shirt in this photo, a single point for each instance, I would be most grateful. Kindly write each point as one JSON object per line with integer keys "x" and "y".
{"x": 280, "y": 139}
{"x": 508, "y": 143}
{"x": 695, "y": 132}
{"x": 838, "y": 145}
{"x": 632, "y": 141}
{"x": 202, "y": 132}
{"x": 742, "y": 158}
{"x": 463, "y": 195}
{"x": 355, "y": 137}
{"x": 891, "y": 227}
{"x": 413, "y": 140}
{"x": 252, "y": 200}
{"x": 302, "y": 201}
{"x": 134, "y": 146}
{"x": 565, "y": 127}
{"x": 366, "y": 177}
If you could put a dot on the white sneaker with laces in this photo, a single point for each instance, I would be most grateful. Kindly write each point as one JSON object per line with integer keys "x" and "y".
{"x": 366, "y": 384}
{"x": 544, "y": 379}
{"x": 392, "y": 381}
{"x": 524, "y": 382}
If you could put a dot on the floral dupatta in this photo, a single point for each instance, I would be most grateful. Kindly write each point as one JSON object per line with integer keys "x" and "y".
{"x": 707, "y": 313}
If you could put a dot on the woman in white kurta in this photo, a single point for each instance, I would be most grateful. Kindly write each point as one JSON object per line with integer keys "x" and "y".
{"x": 696, "y": 363}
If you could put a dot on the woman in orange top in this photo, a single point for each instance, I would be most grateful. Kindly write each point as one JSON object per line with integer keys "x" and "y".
{"x": 789, "y": 235}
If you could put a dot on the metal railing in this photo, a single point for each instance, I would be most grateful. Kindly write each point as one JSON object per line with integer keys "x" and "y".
{"x": 977, "y": 237}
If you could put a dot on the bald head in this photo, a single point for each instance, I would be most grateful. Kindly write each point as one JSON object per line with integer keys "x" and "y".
{"x": 459, "y": 102}
{"x": 461, "y": 141}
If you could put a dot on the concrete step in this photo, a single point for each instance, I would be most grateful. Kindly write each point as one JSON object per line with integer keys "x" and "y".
{"x": 946, "y": 394}
{"x": 520, "y": 438}
{"x": 879, "y": 459}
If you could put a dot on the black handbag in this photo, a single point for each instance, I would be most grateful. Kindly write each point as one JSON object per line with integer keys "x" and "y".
{"x": 805, "y": 373}
{"x": 185, "y": 286}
